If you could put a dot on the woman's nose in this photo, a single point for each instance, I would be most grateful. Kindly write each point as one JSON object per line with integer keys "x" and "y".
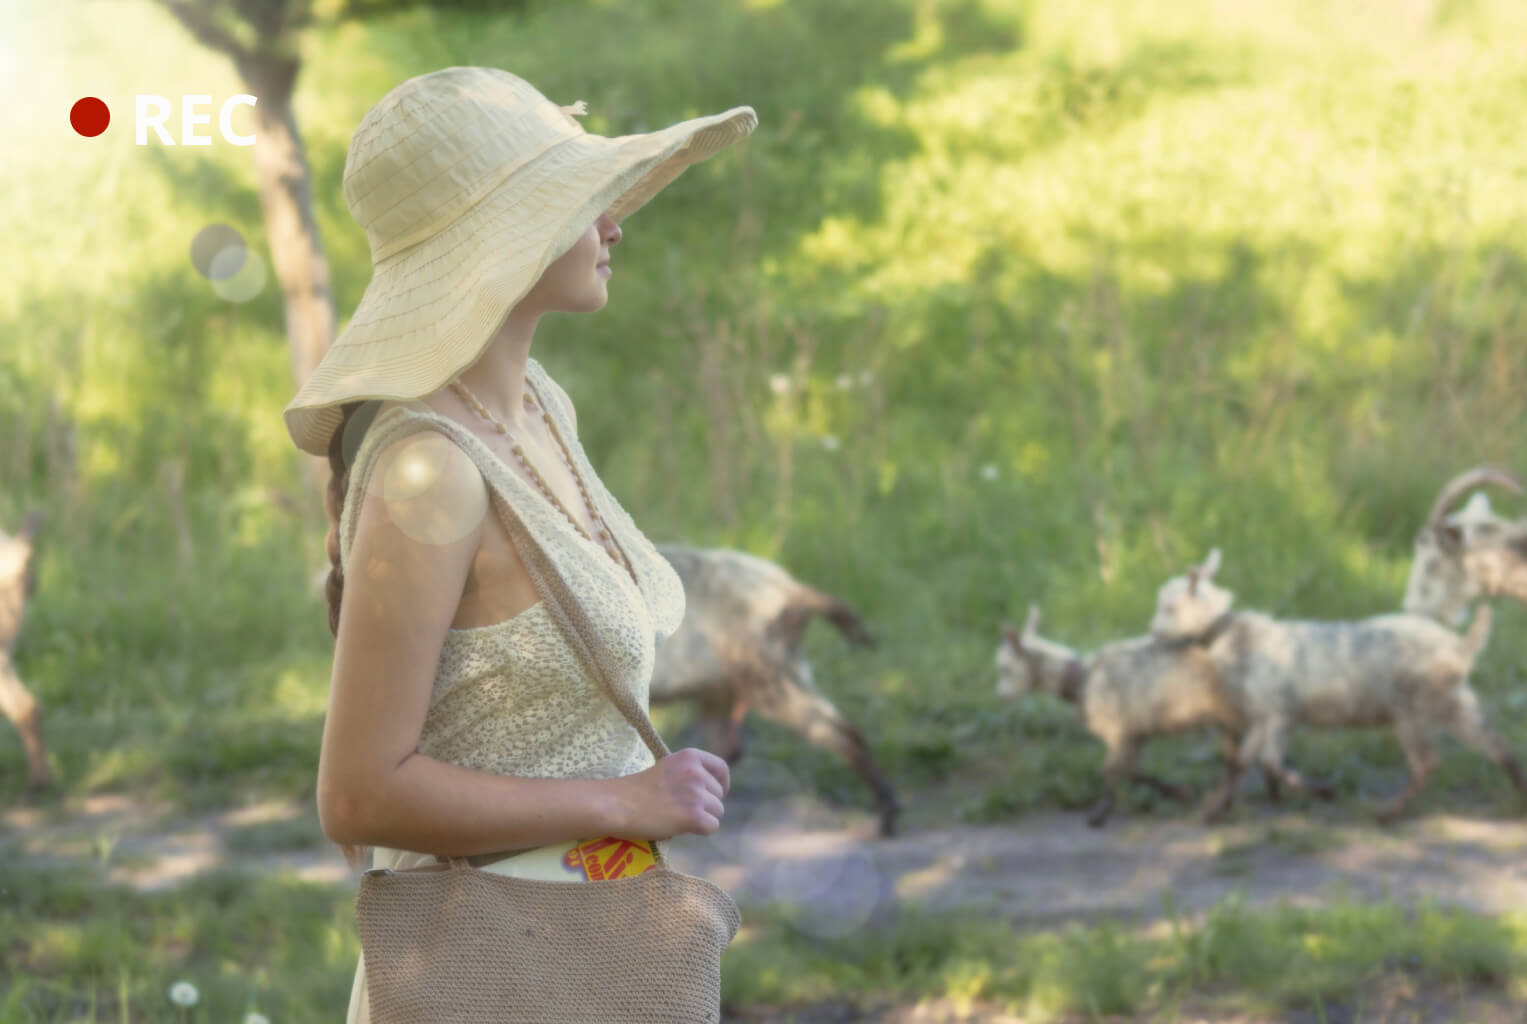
{"x": 609, "y": 230}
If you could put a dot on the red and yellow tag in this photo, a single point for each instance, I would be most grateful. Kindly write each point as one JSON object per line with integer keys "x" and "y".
{"x": 609, "y": 857}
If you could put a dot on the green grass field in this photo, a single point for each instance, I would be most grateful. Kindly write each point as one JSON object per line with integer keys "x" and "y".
{"x": 1004, "y": 301}
{"x": 286, "y": 950}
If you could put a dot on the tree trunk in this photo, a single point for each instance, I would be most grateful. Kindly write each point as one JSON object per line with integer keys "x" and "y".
{"x": 286, "y": 199}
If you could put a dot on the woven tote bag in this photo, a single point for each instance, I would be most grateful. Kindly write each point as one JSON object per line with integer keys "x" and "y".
{"x": 448, "y": 943}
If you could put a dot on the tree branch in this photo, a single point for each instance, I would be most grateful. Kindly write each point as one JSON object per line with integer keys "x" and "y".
{"x": 204, "y": 28}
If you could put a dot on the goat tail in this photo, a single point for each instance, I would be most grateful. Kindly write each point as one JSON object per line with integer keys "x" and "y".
{"x": 1479, "y": 632}
{"x": 808, "y": 601}
{"x": 845, "y": 618}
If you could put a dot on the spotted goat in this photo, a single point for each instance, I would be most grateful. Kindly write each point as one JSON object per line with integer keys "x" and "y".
{"x": 1403, "y": 671}
{"x": 738, "y": 650}
{"x": 1125, "y": 693}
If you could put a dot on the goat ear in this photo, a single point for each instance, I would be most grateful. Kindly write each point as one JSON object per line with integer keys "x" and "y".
{"x": 1010, "y": 634}
{"x": 1450, "y": 538}
{"x": 1518, "y": 544}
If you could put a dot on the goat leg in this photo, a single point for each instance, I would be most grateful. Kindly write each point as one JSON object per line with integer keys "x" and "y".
{"x": 1422, "y": 761}
{"x": 1513, "y": 770}
{"x": 1220, "y": 798}
{"x": 731, "y": 731}
{"x": 1274, "y": 785}
{"x": 1229, "y": 750}
{"x": 1118, "y": 764}
{"x": 1274, "y": 759}
{"x": 1393, "y": 809}
{"x": 1466, "y": 721}
{"x": 18, "y": 704}
{"x": 1170, "y": 790}
{"x": 1102, "y": 810}
{"x": 786, "y": 698}
{"x": 720, "y": 720}
{"x": 1223, "y": 795}
{"x": 1315, "y": 787}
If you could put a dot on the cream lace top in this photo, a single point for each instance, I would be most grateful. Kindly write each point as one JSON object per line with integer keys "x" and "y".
{"x": 515, "y": 697}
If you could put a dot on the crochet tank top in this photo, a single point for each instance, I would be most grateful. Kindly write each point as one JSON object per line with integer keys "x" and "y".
{"x": 518, "y": 697}
{"x": 514, "y": 697}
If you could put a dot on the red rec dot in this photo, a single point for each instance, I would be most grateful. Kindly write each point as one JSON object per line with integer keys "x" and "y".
{"x": 89, "y": 117}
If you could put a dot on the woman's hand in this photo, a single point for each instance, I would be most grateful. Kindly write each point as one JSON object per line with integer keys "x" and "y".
{"x": 681, "y": 793}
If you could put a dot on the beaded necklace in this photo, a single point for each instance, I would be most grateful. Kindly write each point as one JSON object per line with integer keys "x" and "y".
{"x": 605, "y": 540}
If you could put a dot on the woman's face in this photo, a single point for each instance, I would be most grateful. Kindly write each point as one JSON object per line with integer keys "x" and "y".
{"x": 575, "y": 281}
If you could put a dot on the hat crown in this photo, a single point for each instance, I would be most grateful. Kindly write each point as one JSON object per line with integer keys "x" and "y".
{"x": 437, "y": 144}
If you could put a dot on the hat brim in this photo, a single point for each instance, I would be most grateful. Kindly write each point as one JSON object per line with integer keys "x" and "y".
{"x": 430, "y": 310}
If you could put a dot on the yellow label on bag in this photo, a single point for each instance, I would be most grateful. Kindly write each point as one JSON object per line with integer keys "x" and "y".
{"x": 609, "y": 857}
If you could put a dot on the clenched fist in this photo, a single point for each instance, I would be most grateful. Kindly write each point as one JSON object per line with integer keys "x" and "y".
{"x": 681, "y": 793}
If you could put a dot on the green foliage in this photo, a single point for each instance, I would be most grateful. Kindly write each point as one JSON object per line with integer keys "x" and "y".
{"x": 83, "y": 950}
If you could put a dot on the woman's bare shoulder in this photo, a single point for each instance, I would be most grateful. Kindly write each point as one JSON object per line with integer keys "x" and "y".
{"x": 426, "y": 486}
{"x": 418, "y": 488}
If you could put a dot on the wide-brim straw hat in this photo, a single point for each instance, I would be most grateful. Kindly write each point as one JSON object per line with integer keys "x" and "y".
{"x": 469, "y": 183}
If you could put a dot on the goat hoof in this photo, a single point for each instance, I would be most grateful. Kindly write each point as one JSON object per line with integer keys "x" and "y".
{"x": 1213, "y": 813}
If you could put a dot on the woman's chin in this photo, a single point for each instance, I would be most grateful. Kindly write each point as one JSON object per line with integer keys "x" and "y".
{"x": 591, "y": 301}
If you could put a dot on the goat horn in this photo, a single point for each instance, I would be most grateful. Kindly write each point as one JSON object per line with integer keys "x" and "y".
{"x": 1032, "y": 622}
{"x": 1011, "y": 636}
{"x": 1211, "y": 564}
{"x": 1463, "y": 482}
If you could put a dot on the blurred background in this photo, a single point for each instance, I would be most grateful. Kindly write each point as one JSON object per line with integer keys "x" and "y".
{"x": 1003, "y": 302}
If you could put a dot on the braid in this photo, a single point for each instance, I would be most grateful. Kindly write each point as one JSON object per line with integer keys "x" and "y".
{"x": 339, "y": 481}
{"x": 334, "y": 586}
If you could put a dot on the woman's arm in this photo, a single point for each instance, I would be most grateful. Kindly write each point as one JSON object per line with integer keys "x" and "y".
{"x": 416, "y": 535}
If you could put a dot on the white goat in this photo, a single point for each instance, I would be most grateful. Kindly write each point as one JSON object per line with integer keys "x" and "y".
{"x": 1404, "y": 671}
{"x": 1468, "y": 555}
{"x": 1125, "y": 692}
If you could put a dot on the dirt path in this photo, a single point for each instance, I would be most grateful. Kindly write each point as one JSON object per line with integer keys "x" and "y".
{"x": 826, "y": 862}
{"x": 1039, "y": 869}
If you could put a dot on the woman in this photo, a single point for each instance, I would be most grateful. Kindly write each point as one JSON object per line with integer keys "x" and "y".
{"x": 462, "y": 719}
